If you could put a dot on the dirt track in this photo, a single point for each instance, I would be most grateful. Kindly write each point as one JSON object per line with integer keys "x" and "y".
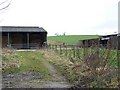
{"x": 33, "y": 79}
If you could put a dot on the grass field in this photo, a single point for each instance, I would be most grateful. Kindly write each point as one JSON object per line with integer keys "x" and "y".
{"x": 32, "y": 61}
{"x": 71, "y": 39}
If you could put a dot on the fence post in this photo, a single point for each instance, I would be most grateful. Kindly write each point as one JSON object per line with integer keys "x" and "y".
{"x": 71, "y": 51}
{"x": 50, "y": 46}
{"x": 60, "y": 50}
{"x": 56, "y": 48}
{"x": 74, "y": 51}
{"x": 85, "y": 51}
{"x": 77, "y": 53}
{"x": 66, "y": 50}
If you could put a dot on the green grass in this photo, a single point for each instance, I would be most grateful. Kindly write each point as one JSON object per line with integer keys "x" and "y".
{"x": 31, "y": 61}
{"x": 28, "y": 61}
{"x": 103, "y": 53}
{"x": 73, "y": 75}
{"x": 71, "y": 39}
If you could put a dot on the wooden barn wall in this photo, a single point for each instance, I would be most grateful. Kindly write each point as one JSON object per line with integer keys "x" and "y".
{"x": 88, "y": 43}
{"x": 16, "y": 38}
{"x": 4, "y": 40}
{"x": 38, "y": 38}
{"x": 101, "y": 43}
{"x": 113, "y": 42}
{"x": 20, "y": 39}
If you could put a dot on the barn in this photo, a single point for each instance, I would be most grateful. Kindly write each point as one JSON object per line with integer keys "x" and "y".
{"x": 113, "y": 38}
{"x": 88, "y": 42}
{"x": 23, "y": 37}
{"x": 102, "y": 41}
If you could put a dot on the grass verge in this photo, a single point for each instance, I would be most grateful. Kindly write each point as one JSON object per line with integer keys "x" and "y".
{"x": 24, "y": 61}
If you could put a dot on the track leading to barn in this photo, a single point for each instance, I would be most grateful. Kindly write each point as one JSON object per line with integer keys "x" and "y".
{"x": 29, "y": 75}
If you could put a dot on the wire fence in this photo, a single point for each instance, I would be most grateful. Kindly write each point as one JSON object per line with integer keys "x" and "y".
{"x": 101, "y": 61}
{"x": 87, "y": 49}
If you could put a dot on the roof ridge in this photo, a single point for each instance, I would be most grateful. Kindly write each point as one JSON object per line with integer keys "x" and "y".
{"x": 22, "y": 26}
{"x": 21, "y": 29}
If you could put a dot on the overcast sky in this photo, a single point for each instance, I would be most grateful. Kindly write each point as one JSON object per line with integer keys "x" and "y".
{"x": 74, "y": 17}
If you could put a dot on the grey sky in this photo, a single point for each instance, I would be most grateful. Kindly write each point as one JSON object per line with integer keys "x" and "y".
{"x": 59, "y": 16}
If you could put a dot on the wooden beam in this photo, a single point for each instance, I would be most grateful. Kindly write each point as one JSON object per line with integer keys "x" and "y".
{"x": 28, "y": 41}
{"x": 8, "y": 40}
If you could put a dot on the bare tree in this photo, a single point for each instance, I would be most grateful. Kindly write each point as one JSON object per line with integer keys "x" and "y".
{"x": 4, "y": 4}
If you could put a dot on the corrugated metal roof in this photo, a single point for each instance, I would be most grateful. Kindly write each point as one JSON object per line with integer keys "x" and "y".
{"x": 21, "y": 29}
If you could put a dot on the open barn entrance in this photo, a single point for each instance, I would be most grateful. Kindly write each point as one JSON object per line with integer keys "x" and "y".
{"x": 19, "y": 40}
{"x": 23, "y": 37}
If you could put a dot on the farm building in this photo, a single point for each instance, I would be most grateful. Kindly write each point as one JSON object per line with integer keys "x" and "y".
{"x": 102, "y": 41}
{"x": 112, "y": 40}
{"x": 23, "y": 37}
{"x": 88, "y": 42}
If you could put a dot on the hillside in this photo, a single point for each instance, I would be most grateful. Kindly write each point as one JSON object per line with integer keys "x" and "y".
{"x": 69, "y": 39}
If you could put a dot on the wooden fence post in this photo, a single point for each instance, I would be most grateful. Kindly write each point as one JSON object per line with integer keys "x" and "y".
{"x": 51, "y": 47}
{"x": 85, "y": 47}
{"x": 77, "y": 53}
{"x": 66, "y": 50}
{"x": 55, "y": 47}
{"x": 73, "y": 51}
{"x": 60, "y": 50}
